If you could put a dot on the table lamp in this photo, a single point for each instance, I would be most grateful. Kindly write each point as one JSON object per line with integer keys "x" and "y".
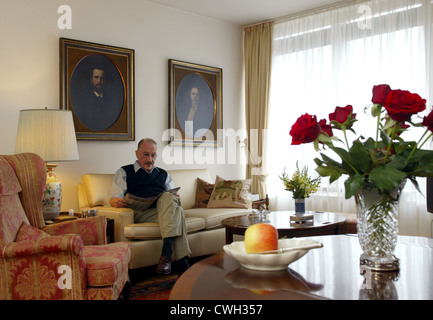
{"x": 49, "y": 133}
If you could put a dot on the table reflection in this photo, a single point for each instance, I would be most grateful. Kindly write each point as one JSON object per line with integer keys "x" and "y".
{"x": 268, "y": 282}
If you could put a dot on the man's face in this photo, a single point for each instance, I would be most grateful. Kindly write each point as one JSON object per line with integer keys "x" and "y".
{"x": 195, "y": 95}
{"x": 97, "y": 79}
{"x": 146, "y": 155}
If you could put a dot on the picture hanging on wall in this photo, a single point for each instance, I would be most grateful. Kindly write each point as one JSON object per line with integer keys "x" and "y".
{"x": 195, "y": 104}
{"x": 97, "y": 85}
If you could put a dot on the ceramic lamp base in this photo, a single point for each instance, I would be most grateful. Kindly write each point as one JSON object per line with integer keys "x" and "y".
{"x": 52, "y": 200}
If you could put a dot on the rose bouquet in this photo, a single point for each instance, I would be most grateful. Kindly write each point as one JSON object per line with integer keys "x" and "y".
{"x": 377, "y": 168}
{"x": 385, "y": 160}
{"x": 301, "y": 185}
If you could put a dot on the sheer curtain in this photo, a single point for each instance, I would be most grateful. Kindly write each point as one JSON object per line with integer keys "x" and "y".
{"x": 333, "y": 58}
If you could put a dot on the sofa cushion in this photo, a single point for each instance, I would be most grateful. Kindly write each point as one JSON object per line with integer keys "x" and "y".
{"x": 97, "y": 188}
{"x": 229, "y": 193}
{"x": 149, "y": 230}
{"x": 214, "y": 216}
{"x": 106, "y": 263}
{"x": 186, "y": 179}
{"x": 203, "y": 193}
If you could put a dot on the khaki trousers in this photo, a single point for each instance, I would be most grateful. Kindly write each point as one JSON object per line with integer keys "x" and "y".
{"x": 169, "y": 214}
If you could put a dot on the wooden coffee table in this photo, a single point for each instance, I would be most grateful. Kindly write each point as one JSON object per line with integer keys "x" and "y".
{"x": 330, "y": 272}
{"x": 324, "y": 223}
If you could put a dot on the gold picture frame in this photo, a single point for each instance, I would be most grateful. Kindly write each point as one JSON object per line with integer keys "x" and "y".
{"x": 195, "y": 104}
{"x": 97, "y": 85}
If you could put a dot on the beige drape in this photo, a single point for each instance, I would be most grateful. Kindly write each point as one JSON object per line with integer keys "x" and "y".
{"x": 257, "y": 59}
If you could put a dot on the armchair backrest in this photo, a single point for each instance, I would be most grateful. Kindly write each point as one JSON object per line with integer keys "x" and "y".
{"x": 31, "y": 172}
{"x": 11, "y": 211}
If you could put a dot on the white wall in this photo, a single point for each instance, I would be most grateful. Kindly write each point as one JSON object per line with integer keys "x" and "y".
{"x": 29, "y": 73}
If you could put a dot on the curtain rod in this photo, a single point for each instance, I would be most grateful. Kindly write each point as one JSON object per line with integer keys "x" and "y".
{"x": 332, "y": 6}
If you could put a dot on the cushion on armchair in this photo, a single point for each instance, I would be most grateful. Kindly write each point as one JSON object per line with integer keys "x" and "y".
{"x": 106, "y": 264}
{"x": 27, "y": 232}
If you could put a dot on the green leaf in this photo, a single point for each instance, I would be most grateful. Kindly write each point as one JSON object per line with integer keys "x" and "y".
{"x": 360, "y": 156}
{"x": 426, "y": 164}
{"x": 332, "y": 172}
{"x": 353, "y": 184}
{"x": 398, "y": 162}
{"x": 386, "y": 177}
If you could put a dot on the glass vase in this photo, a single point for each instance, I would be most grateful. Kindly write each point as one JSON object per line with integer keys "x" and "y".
{"x": 377, "y": 223}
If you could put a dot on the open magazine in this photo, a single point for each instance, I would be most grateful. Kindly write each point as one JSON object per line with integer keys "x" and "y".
{"x": 141, "y": 204}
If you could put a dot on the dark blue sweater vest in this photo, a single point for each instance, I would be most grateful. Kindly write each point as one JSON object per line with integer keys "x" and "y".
{"x": 143, "y": 184}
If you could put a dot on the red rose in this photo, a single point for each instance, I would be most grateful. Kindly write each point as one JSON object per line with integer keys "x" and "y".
{"x": 305, "y": 130}
{"x": 401, "y": 105}
{"x": 428, "y": 121}
{"x": 325, "y": 127}
{"x": 343, "y": 116}
{"x": 380, "y": 93}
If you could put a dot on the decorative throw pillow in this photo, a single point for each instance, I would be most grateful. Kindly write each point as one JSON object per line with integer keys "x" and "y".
{"x": 229, "y": 193}
{"x": 202, "y": 193}
{"x": 27, "y": 232}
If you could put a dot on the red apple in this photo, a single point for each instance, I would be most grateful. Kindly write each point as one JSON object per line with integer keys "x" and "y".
{"x": 261, "y": 237}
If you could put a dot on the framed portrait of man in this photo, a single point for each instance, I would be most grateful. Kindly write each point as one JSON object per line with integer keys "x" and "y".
{"x": 195, "y": 106}
{"x": 97, "y": 85}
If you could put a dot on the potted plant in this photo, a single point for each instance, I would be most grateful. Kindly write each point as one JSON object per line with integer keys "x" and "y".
{"x": 301, "y": 186}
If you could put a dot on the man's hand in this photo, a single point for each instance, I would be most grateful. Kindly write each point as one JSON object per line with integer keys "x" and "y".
{"x": 118, "y": 202}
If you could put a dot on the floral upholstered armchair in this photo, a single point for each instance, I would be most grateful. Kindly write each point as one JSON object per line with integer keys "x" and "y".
{"x": 68, "y": 260}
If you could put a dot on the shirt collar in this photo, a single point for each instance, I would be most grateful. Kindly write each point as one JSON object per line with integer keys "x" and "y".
{"x": 138, "y": 167}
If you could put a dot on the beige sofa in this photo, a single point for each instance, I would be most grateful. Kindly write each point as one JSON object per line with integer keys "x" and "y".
{"x": 205, "y": 232}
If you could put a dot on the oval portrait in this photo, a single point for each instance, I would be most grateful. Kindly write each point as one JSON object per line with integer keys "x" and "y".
{"x": 195, "y": 105}
{"x": 97, "y": 92}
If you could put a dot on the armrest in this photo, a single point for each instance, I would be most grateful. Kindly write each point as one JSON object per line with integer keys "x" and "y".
{"x": 34, "y": 268}
{"x": 122, "y": 217}
{"x": 92, "y": 230}
{"x": 55, "y": 244}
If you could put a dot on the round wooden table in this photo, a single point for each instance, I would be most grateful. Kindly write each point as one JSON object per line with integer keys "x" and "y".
{"x": 330, "y": 272}
{"x": 323, "y": 223}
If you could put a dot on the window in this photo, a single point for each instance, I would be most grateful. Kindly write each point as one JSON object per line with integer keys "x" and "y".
{"x": 334, "y": 58}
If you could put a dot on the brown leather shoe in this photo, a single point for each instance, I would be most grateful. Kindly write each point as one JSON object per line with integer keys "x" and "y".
{"x": 164, "y": 265}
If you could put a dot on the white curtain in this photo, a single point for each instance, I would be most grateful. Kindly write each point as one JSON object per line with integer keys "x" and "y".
{"x": 333, "y": 58}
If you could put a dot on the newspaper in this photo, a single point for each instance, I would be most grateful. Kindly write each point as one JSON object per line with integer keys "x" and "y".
{"x": 141, "y": 204}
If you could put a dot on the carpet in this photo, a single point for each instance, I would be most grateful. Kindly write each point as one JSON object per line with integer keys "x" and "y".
{"x": 157, "y": 290}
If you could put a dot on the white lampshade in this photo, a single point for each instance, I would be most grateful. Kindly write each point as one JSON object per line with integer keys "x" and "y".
{"x": 49, "y": 133}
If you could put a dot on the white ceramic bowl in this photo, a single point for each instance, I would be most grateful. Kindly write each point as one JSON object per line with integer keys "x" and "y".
{"x": 296, "y": 248}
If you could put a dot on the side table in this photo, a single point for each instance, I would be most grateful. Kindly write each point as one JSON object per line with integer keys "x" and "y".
{"x": 324, "y": 223}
